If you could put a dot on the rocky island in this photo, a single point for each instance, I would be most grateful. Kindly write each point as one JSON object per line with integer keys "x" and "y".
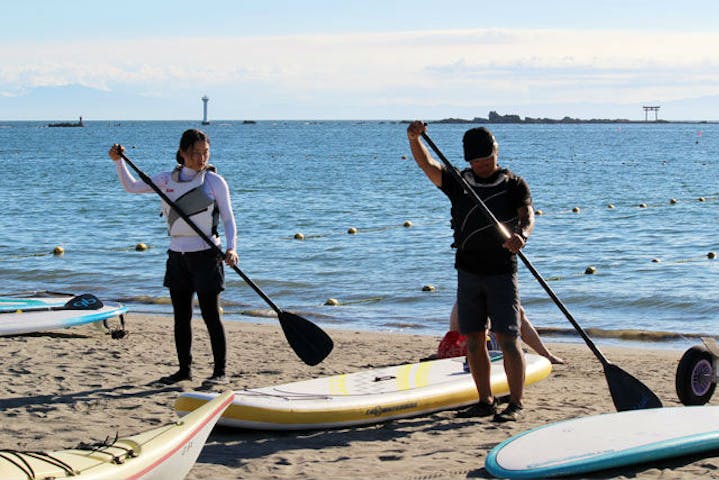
{"x": 494, "y": 117}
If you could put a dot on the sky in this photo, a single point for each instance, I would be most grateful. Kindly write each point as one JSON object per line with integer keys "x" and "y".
{"x": 370, "y": 59}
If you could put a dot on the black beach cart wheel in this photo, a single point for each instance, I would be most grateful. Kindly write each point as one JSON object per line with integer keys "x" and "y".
{"x": 695, "y": 380}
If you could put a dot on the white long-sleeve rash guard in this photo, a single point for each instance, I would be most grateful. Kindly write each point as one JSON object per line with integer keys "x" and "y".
{"x": 215, "y": 186}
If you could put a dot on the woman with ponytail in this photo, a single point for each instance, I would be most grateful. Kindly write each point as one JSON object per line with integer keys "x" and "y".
{"x": 192, "y": 267}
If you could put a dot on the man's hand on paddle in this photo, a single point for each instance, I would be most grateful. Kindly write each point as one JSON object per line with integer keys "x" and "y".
{"x": 416, "y": 129}
{"x": 514, "y": 243}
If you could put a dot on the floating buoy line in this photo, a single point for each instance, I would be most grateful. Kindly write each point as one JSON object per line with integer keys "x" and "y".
{"x": 353, "y": 230}
{"x": 641, "y": 205}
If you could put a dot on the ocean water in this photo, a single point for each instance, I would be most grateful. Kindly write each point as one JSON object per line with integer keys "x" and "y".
{"x": 654, "y": 280}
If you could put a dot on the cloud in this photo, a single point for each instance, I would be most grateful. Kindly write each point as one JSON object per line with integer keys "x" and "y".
{"x": 482, "y": 66}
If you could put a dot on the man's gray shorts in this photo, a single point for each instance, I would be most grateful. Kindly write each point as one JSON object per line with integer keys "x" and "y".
{"x": 481, "y": 297}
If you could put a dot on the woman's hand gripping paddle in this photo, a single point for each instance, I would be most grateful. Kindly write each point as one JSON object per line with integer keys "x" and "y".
{"x": 310, "y": 342}
{"x": 627, "y": 392}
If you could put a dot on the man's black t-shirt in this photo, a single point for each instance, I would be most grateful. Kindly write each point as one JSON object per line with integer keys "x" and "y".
{"x": 477, "y": 240}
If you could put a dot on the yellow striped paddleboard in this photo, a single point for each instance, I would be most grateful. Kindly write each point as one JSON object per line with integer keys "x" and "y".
{"x": 360, "y": 398}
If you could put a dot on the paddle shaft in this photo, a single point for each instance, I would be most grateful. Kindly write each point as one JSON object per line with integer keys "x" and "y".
{"x": 199, "y": 232}
{"x": 488, "y": 213}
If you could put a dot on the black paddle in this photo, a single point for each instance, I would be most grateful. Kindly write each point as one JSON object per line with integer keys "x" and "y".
{"x": 310, "y": 342}
{"x": 627, "y": 392}
{"x": 85, "y": 301}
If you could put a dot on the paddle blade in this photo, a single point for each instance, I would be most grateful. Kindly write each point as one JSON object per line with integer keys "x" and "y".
{"x": 85, "y": 301}
{"x": 628, "y": 393}
{"x": 309, "y": 341}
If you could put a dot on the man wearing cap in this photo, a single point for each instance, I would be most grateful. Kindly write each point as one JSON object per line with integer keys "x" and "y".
{"x": 485, "y": 260}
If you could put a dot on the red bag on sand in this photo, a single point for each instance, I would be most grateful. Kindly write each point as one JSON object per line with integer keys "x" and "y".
{"x": 454, "y": 344}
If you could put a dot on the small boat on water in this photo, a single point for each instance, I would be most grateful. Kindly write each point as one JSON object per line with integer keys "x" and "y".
{"x": 67, "y": 124}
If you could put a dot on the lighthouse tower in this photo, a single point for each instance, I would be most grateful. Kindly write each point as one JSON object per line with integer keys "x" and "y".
{"x": 205, "y": 99}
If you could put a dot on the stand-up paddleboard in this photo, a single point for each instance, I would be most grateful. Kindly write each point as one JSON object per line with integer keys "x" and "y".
{"x": 42, "y": 313}
{"x": 599, "y": 442}
{"x": 165, "y": 453}
{"x": 360, "y": 398}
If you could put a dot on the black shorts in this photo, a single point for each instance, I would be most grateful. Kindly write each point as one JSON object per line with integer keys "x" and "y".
{"x": 481, "y": 297}
{"x": 195, "y": 271}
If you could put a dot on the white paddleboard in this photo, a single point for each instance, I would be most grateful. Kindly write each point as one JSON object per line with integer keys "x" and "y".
{"x": 361, "y": 398}
{"x": 599, "y": 442}
{"x": 17, "y": 316}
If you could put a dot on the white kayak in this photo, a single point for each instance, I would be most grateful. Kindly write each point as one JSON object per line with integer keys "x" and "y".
{"x": 360, "y": 398}
{"x": 165, "y": 453}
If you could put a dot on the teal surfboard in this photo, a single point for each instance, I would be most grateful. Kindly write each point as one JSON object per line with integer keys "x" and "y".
{"x": 599, "y": 442}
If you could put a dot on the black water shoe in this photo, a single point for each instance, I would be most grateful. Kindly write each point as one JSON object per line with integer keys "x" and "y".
{"x": 479, "y": 409}
{"x": 512, "y": 413}
{"x": 215, "y": 382}
{"x": 178, "y": 376}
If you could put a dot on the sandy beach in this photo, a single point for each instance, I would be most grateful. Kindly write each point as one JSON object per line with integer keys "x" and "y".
{"x": 60, "y": 388}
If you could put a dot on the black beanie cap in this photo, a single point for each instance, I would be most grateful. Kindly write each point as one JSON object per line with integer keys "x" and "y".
{"x": 478, "y": 143}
